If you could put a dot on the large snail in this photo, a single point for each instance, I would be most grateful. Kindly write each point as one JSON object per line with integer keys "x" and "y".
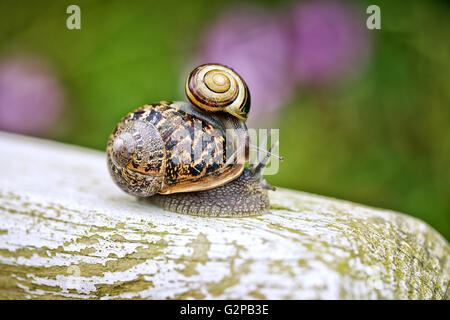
{"x": 184, "y": 157}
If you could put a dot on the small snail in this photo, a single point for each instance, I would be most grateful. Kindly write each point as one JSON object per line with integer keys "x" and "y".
{"x": 214, "y": 87}
{"x": 182, "y": 157}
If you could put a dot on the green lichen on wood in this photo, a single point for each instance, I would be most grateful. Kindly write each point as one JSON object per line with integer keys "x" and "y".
{"x": 403, "y": 256}
{"x": 200, "y": 246}
{"x": 234, "y": 276}
{"x": 133, "y": 287}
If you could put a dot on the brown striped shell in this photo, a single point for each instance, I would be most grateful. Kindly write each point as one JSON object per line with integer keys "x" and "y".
{"x": 172, "y": 147}
{"x": 214, "y": 87}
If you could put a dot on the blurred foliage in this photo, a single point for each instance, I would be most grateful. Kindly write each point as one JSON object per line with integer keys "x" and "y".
{"x": 382, "y": 139}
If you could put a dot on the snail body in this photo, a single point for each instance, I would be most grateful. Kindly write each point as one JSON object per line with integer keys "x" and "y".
{"x": 243, "y": 197}
{"x": 184, "y": 156}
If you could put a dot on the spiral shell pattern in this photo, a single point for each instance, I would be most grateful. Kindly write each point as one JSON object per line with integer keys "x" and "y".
{"x": 214, "y": 87}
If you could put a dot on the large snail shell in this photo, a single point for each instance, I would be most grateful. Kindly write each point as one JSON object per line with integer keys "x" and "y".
{"x": 173, "y": 147}
{"x": 215, "y": 87}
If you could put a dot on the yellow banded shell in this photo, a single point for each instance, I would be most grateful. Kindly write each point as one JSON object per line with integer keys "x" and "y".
{"x": 214, "y": 87}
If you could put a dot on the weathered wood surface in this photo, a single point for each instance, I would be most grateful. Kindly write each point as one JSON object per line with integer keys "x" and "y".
{"x": 66, "y": 231}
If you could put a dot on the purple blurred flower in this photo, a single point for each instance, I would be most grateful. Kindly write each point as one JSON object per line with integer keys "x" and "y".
{"x": 329, "y": 40}
{"x": 31, "y": 98}
{"x": 253, "y": 43}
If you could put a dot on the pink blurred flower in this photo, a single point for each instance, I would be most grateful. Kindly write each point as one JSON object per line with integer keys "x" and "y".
{"x": 329, "y": 40}
{"x": 253, "y": 43}
{"x": 31, "y": 97}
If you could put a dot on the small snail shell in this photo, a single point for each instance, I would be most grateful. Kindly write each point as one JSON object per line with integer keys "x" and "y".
{"x": 214, "y": 87}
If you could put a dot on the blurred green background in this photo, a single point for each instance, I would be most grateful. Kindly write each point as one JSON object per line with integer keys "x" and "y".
{"x": 381, "y": 138}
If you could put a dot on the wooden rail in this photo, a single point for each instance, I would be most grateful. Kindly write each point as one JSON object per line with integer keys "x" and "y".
{"x": 66, "y": 231}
